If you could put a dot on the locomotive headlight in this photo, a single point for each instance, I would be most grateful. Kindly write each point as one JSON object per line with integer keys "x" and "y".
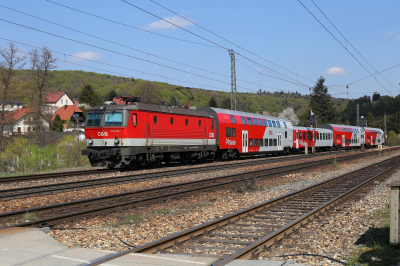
{"x": 90, "y": 141}
{"x": 116, "y": 141}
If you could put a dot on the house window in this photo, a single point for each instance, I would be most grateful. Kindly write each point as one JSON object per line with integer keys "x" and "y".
{"x": 62, "y": 101}
{"x": 66, "y": 101}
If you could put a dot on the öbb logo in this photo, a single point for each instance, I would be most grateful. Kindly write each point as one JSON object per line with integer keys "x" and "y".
{"x": 102, "y": 134}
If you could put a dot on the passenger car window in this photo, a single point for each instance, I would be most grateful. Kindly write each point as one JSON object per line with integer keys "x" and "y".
{"x": 250, "y": 142}
{"x": 255, "y": 142}
{"x": 233, "y": 132}
{"x": 233, "y": 119}
{"x": 228, "y": 132}
{"x": 274, "y": 123}
{"x": 261, "y": 142}
{"x": 269, "y": 123}
{"x": 255, "y": 122}
{"x": 279, "y": 124}
{"x": 113, "y": 119}
{"x": 284, "y": 124}
{"x": 243, "y": 120}
{"x": 259, "y": 122}
{"x": 212, "y": 124}
{"x": 249, "y": 120}
{"x": 265, "y": 123}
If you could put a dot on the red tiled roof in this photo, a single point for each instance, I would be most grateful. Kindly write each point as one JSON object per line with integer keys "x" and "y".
{"x": 118, "y": 100}
{"x": 66, "y": 112}
{"x": 53, "y": 97}
{"x": 17, "y": 114}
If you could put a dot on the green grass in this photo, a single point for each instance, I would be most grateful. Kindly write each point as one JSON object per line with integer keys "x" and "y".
{"x": 28, "y": 216}
{"x": 377, "y": 251}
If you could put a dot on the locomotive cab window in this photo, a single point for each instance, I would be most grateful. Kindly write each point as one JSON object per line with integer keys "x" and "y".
{"x": 233, "y": 132}
{"x": 113, "y": 118}
{"x": 243, "y": 120}
{"x": 233, "y": 119}
{"x": 228, "y": 132}
{"x": 249, "y": 120}
{"x": 93, "y": 119}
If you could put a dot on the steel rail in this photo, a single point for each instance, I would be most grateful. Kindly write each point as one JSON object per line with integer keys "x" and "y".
{"x": 21, "y": 192}
{"x": 152, "y": 195}
{"x": 257, "y": 246}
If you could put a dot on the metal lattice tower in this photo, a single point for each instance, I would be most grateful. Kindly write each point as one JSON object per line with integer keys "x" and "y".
{"x": 358, "y": 116}
{"x": 233, "y": 81}
{"x": 385, "y": 124}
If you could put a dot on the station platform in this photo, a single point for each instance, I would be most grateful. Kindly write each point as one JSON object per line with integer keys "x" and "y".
{"x": 34, "y": 247}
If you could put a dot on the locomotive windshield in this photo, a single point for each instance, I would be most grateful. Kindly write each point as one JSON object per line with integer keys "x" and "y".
{"x": 93, "y": 119}
{"x": 113, "y": 118}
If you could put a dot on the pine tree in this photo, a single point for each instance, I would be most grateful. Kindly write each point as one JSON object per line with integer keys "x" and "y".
{"x": 58, "y": 124}
{"x": 175, "y": 101}
{"x": 370, "y": 119}
{"x": 321, "y": 103}
{"x": 212, "y": 102}
{"x": 89, "y": 96}
{"x": 111, "y": 95}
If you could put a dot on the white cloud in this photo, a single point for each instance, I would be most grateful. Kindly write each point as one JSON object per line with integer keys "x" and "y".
{"x": 161, "y": 24}
{"x": 86, "y": 55}
{"x": 335, "y": 71}
{"x": 390, "y": 32}
{"x": 397, "y": 36}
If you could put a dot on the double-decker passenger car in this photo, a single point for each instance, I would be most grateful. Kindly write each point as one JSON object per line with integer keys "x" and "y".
{"x": 374, "y": 136}
{"x": 345, "y": 136}
{"x": 123, "y": 135}
{"x": 319, "y": 137}
{"x": 241, "y": 133}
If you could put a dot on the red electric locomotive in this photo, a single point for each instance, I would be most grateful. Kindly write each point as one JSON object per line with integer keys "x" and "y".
{"x": 125, "y": 135}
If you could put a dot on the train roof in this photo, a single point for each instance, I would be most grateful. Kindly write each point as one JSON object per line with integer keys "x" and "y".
{"x": 152, "y": 108}
{"x": 330, "y": 126}
{"x": 311, "y": 129}
{"x": 240, "y": 113}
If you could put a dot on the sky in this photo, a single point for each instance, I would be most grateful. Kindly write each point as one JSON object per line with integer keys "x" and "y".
{"x": 278, "y": 45}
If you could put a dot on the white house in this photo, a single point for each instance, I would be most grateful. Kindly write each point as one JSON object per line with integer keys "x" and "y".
{"x": 56, "y": 100}
{"x": 20, "y": 122}
{"x": 10, "y": 105}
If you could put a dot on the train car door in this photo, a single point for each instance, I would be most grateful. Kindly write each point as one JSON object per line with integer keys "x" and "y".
{"x": 205, "y": 135}
{"x": 297, "y": 139}
{"x": 343, "y": 140}
{"x": 149, "y": 134}
{"x": 279, "y": 141}
{"x": 372, "y": 140}
{"x": 245, "y": 147}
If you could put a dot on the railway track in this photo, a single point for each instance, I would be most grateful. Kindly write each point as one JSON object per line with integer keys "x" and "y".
{"x": 22, "y": 192}
{"x": 247, "y": 233}
{"x": 22, "y": 178}
{"x": 56, "y": 213}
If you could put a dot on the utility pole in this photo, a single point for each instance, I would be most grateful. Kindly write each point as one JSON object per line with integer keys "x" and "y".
{"x": 233, "y": 81}
{"x": 385, "y": 123}
{"x": 358, "y": 115}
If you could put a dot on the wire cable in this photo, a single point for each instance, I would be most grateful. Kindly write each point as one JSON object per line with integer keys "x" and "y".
{"x": 352, "y": 45}
{"x": 342, "y": 45}
{"x": 230, "y": 41}
{"x": 119, "y": 23}
{"x": 174, "y": 24}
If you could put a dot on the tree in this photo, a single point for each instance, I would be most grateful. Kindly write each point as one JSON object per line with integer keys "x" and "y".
{"x": 376, "y": 97}
{"x": 148, "y": 92}
{"x": 111, "y": 95}
{"x": 212, "y": 102}
{"x": 89, "y": 96}
{"x": 42, "y": 62}
{"x": 175, "y": 101}
{"x": 347, "y": 122}
{"x": 58, "y": 124}
{"x": 8, "y": 69}
{"x": 370, "y": 119}
{"x": 226, "y": 104}
{"x": 290, "y": 115}
{"x": 321, "y": 103}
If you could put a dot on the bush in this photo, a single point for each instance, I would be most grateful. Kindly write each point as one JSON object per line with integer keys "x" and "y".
{"x": 392, "y": 138}
{"x": 21, "y": 156}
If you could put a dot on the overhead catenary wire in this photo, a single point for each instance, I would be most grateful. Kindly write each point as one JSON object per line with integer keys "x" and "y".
{"x": 353, "y": 46}
{"x": 342, "y": 45}
{"x": 126, "y": 25}
{"x": 128, "y": 47}
{"x": 236, "y": 45}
